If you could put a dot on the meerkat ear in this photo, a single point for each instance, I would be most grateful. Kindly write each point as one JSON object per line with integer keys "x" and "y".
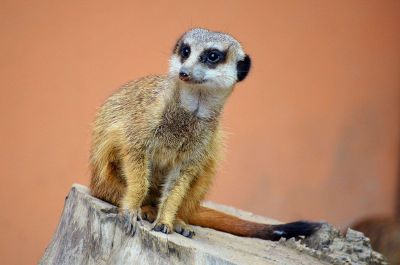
{"x": 243, "y": 68}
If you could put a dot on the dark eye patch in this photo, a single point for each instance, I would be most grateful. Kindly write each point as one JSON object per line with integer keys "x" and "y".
{"x": 213, "y": 57}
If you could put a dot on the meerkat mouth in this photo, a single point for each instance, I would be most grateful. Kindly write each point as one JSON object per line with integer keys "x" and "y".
{"x": 194, "y": 81}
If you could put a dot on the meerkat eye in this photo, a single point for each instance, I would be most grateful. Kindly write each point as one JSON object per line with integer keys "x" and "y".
{"x": 185, "y": 51}
{"x": 213, "y": 57}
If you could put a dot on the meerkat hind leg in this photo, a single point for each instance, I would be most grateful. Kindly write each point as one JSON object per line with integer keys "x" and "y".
{"x": 149, "y": 213}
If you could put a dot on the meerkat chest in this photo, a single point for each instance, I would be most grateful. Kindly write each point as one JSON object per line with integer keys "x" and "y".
{"x": 180, "y": 134}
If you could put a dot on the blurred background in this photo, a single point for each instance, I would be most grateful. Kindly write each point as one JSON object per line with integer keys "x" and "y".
{"x": 312, "y": 133}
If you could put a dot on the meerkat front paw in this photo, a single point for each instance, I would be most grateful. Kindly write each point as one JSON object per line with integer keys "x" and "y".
{"x": 129, "y": 220}
{"x": 161, "y": 227}
{"x": 182, "y": 228}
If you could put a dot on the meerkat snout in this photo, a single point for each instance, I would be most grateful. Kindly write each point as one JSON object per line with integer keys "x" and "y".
{"x": 184, "y": 75}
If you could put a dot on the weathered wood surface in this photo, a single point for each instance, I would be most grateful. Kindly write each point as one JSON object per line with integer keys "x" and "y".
{"x": 89, "y": 233}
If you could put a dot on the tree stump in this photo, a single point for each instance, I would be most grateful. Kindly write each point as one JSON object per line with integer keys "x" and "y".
{"x": 89, "y": 233}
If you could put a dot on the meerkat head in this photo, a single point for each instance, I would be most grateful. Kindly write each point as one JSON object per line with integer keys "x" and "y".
{"x": 208, "y": 59}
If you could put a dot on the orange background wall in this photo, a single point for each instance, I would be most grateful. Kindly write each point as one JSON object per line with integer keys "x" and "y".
{"x": 312, "y": 133}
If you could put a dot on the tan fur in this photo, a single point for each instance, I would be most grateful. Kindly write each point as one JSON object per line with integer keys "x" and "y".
{"x": 133, "y": 133}
{"x": 156, "y": 140}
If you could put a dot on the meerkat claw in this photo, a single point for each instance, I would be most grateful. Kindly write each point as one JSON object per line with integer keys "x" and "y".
{"x": 186, "y": 232}
{"x": 162, "y": 228}
{"x": 128, "y": 221}
{"x": 182, "y": 228}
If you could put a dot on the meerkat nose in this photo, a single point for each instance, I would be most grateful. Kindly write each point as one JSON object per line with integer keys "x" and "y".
{"x": 184, "y": 75}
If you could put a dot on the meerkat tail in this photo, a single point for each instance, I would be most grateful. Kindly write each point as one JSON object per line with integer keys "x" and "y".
{"x": 206, "y": 217}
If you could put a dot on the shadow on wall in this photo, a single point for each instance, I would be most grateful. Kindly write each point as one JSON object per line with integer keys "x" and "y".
{"x": 384, "y": 233}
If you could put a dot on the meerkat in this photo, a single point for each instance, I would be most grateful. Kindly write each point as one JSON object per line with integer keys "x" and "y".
{"x": 156, "y": 141}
